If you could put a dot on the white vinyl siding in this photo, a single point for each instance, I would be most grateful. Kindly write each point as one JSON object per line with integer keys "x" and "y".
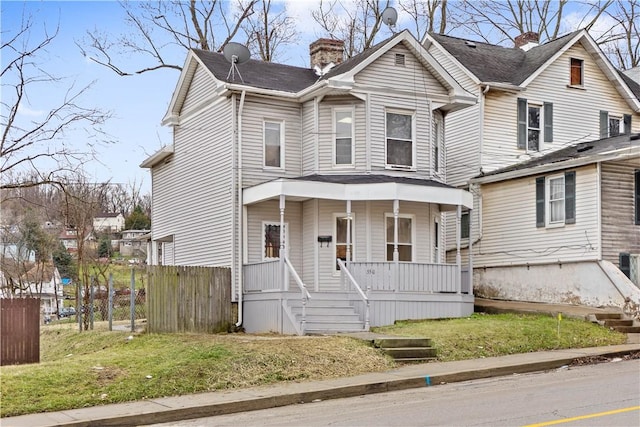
{"x": 192, "y": 191}
{"x": 327, "y": 134}
{"x": 619, "y": 231}
{"x": 309, "y": 138}
{"x": 202, "y": 87}
{"x": 510, "y": 235}
{"x": 256, "y": 112}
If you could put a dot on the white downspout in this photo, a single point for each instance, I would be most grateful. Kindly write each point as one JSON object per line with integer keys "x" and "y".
{"x": 240, "y": 210}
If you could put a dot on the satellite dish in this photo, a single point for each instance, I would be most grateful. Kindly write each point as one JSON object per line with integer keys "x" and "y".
{"x": 236, "y": 54}
{"x": 390, "y": 16}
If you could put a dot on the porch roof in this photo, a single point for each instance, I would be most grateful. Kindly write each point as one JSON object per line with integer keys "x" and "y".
{"x": 360, "y": 187}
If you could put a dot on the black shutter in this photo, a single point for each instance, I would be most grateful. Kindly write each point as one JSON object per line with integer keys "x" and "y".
{"x": 570, "y": 198}
{"x": 604, "y": 124}
{"x": 637, "y": 195}
{"x": 548, "y": 122}
{"x": 624, "y": 263}
{"x": 540, "y": 202}
{"x": 522, "y": 123}
{"x": 627, "y": 123}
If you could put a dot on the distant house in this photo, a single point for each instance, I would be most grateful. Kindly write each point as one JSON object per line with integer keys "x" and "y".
{"x": 43, "y": 281}
{"x": 533, "y": 100}
{"x": 324, "y": 183}
{"x": 108, "y": 222}
{"x": 577, "y": 212}
{"x": 134, "y": 243}
{"x": 69, "y": 239}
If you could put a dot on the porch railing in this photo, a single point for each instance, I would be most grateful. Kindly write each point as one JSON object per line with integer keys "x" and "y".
{"x": 345, "y": 274}
{"x": 305, "y": 297}
{"x": 262, "y": 276}
{"x": 407, "y": 277}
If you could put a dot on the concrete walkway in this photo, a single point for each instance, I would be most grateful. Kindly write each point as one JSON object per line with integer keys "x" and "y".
{"x": 171, "y": 409}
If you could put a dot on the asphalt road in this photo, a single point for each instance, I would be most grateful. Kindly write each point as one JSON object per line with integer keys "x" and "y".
{"x": 606, "y": 394}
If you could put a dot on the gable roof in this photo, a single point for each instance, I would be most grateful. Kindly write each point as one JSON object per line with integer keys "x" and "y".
{"x": 488, "y": 64}
{"x": 613, "y": 148}
{"x": 269, "y": 78}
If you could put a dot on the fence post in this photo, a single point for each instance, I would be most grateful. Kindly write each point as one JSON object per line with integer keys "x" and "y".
{"x": 110, "y": 301}
{"x": 132, "y": 299}
{"x": 92, "y": 281}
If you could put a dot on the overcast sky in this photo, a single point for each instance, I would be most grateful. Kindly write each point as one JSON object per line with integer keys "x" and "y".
{"x": 138, "y": 103}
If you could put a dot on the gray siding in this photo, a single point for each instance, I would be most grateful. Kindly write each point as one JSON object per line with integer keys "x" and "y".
{"x": 191, "y": 193}
{"x": 619, "y": 231}
{"x": 309, "y": 138}
{"x": 202, "y": 87}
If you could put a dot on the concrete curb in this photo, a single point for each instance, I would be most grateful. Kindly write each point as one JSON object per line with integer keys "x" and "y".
{"x": 171, "y": 409}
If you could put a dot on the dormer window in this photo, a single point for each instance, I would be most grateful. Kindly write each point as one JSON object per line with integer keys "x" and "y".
{"x": 400, "y": 59}
{"x": 577, "y": 72}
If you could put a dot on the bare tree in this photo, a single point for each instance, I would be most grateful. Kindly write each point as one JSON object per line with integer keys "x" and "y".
{"x": 163, "y": 30}
{"x": 269, "y": 30}
{"x": 622, "y": 41}
{"x": 427, "y": 15}
{"x": 357, "y": 23}
{"x": 33, "y": 149}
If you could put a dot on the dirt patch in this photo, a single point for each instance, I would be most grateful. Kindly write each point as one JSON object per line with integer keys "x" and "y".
{"x": 107, "y": 375}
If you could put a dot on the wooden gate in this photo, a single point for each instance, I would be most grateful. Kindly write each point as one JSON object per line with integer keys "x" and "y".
{"x": 19, "y": 331}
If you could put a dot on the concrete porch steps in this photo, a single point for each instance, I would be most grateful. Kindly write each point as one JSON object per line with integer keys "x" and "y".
{"x": 407, "y": 349}
{"x": 617, "y": 321}
{"x": 328, "y": 313}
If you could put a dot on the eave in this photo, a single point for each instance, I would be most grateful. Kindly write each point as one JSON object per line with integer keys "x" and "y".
{"x": 157, "y": 157}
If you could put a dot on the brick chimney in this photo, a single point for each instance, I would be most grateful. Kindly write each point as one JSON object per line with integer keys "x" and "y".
{"x": 325, "y": 51}
{"x": 526, "y": 41}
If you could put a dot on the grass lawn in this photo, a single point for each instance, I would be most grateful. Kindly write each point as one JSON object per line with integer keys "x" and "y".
{"x": 98, "y": 367}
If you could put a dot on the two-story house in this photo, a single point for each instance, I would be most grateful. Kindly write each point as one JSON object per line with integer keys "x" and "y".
{"x": 552, "y": 228}
{"x": 322, "y": 186}
{"x": 108, "y": 222}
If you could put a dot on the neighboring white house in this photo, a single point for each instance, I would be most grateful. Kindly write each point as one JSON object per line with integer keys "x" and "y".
{"x": 108, "y": 222}
{"x": 533, "y": 100}
{"x": 574, "y": 214}
{"x": 43, "y": 281}
{"x": 283, "y": 173}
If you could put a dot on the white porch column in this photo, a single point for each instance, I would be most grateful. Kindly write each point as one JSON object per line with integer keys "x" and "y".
{"x": 282, "y": 252}
{"x": 348, "y": 232}
{"x": 458, "y": 257}
{"x": 470, "y": 253}
{"x": 396, "y": 212}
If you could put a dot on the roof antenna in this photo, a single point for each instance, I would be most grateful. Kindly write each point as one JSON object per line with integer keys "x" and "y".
{"x": 235, "y": 53}
{"x": 390, "y": 17}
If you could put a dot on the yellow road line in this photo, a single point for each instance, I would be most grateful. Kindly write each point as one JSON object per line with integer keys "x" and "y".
{"x": 584, "y": 417}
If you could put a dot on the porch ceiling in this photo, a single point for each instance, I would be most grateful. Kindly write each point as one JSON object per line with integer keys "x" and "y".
{"x": 360, "y": 188}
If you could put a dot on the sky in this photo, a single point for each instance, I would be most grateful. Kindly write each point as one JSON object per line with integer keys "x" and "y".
{"x": 138, "y": 102}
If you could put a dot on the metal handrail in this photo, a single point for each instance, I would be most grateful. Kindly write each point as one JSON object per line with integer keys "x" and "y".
{"x": 363, "y": 296}
{"x": 305, "y": 293}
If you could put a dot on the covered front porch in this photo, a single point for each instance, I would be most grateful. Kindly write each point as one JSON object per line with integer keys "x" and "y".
{"x": 349, "y": 252}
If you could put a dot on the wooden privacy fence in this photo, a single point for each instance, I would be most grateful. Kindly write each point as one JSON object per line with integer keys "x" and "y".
{"x": 19, "y": 330}
{"x": 188, "y": 299}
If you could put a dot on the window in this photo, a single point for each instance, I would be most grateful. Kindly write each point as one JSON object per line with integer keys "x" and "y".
{"x": 535, "y": 124}
{"x": 614, "y": 125}
{"x": 271, "y": 240}
{"x": 556, "y": 200}
{"x": 438, "y": 141}
{"x": 576, "y": 77}
{"x": 637, "y": 195}
{"x": 399, "y": 140}
{"x": 464, "y": 225}
{"x": 341, "y": 238}
{"x": 343, "y": 126}
{"x": 405, "y": 237}
{"x": 436, "y": 242}
{"x": 273, "y": 146}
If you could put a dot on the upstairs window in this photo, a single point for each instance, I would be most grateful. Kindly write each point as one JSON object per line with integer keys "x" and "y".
{"x": 614, "y": 125}
{"x": 438, "y": 142}
{"x": 343, "y": 128}
{"x": 577, "y": 72}
{"x": 273, "y": 144}
{"x": 400, "y": 143}
{"x": 535, "y": 124}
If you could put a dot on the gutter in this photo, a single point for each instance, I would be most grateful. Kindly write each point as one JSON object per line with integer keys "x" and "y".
{"x": 240, "y": 209}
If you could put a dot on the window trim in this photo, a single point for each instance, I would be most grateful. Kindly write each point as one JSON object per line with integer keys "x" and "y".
{"x": 467, "y": 215}
{"x": 280, "y": 123}
{"x": 636, "y": 179}
{"x": 335, "y": 233}
{"x": 543, "y": 202}
{"x": 548, "y": 201}
{"x": 412, "y": 217}
{"x": 545, "y": 126}
{"x": 438, "y": 144}
{"x": 263, "y": 239}
{"x": 579, "y": 62}
{"x": 411, "y": 114}
{"x": 334, "y": 111}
